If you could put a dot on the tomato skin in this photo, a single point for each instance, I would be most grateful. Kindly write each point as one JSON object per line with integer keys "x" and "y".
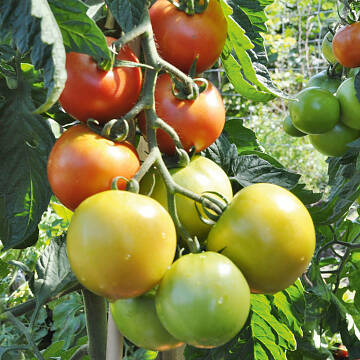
{"x": 334, "y": 142}
{"x": 268, "y": 233}
{"x": 346, "y": 45}
{"x": 203, "y": 299}
{"x": 323, "y": 81}
{"x": 108, "y": 253}
{"x": 314, "y": 111}
{"x": 199, "y": 176}
{"x": 83, "y": 163}
{"x": 290, "y": 129}
{"x": 137, "y": 320}
{"x": 326, "y": 48}
{"x": 197, "y": 122}
{"x": 349, "y": 104}
{"x": 102, "y": 95}
{"x": 180, "y": 37}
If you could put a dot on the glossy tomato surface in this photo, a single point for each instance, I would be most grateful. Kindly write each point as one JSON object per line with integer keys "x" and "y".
{"x": 268, "y": 233}
{"x": 102, "y": 95}
{"x": 290, "y": 129}
{"x": 314, "y": 110}
{"x": 181, "y": 38}
{"x": 197, "y": 122}
{"x": 200, "y": 176}
{"x": 349, "y": 104}
{"x": 335, "y": 141}
{"x": 203, "y": 299}
{"x": 83, "y": 163}
{"x": 346, "y": 45}
{"x": 323, "y": 81}
{"x": 137, "y": 320}
{"x": 120, "y": 244}
{"x": 326, "y": 48}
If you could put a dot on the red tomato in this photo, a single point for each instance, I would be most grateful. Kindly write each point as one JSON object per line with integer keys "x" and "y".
{"x": 181, "y": 37}
{"x": 82, "y": 163}
{"x": 346, "y": 45}
{"x": 102, "y": 95}
{"x": 198, "y": 122}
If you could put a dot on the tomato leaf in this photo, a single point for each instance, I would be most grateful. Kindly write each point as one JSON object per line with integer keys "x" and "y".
{"x": 24, "y": 189}
{"x": 34, "y": 29}
{"x": 127, "y": 13}
{"x": 80, "y": 33}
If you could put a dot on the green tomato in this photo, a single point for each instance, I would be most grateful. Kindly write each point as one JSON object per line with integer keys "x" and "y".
{"x": 335, "y": 141}
{"x": 268, "y": 233}
{"x": 290, "y": 129}
{"x": 199, "y": 176}
{"x": 353, "y": 72}
{"x": 203, "y": 299}
{"x": 323, "y": 81}
{"x": 326, "y": 48}
{"x": 314, "y": 111}
{"x": 349, "y": 104}
{"x": 137, "y": 320}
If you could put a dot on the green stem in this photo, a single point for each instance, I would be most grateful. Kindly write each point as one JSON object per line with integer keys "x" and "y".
{"x": 22, "y": 328}
{"x": 80, "y": 352}
{"x": 96, "y": 324}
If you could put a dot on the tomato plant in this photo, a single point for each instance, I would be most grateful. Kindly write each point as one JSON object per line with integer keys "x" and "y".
{"x": 346, "y": 45}
{"x": 324, "y": 81}
{"x": 182, "y": 38}
{"x": 200, "y": 176}
{"x": 335, "y": 141}
{"x": 290, "y": 129}
{"x": 137, "y": 320}
{"x": 268, "y": 233}
{"x": 203, "y": 299}
{"x": 108, "y": 253}
{"x": 326, "y": 48}
{"x": 102, "y": 95}
{"x": 198, "y": 122}
{"x": 349, "y": 104}
{"x": 83, "y": 163}
{"x": 314, "y": 111}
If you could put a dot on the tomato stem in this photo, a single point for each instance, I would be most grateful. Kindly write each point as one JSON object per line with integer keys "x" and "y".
{"x": 96, "y": 324}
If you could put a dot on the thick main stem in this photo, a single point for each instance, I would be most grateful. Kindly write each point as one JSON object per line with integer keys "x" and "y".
{"x": 96, "y": 324}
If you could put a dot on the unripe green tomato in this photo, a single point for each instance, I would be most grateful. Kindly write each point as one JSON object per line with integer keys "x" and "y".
{"x": 290, "y": 129}
{"x": 199, "y": 176}
{"x": 334, "y": 142}
{"x": 203, "y": 299}
{"x": 137, "y": 320}
{"x": 314, "y": 110}
{"x": 353, "y": 72}
{"x": 349, "y": 104}
{"x": 268, "y": 233}
{"x": 323, "y": 81}
{"x": 326, "y": 48}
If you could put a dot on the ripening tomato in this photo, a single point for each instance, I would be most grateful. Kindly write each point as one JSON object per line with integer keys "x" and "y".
{"x": 137, "y": 320}
{"x": 314, "y": 110}
{"x": 181, "y": 38}
{"x": 268, "y": 233}
{"x": 200, "y": 176}
{"x": 335, "y": 141}
{"x": 120, "y": 244}
{"x": 346, "y": 45}
{"x": 349, "y": 104}
{"x": 197, "y": 122}
{"x": 102, "y": 95}
{"x": 203, "y": 299}
{"x": 83, "y": 163}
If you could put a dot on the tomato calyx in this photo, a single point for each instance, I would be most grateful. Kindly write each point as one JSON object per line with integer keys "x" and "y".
{"x": 191, "y": 7}
{"x": 218, "y": 204}
{"x": 182, "y": 92}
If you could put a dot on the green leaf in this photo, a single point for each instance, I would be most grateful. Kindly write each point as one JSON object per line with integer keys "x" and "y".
{"x": 128, "y": 14}
{"x": 53, "y": 350}
{"x": 4, "y": 268}
{"x": 24, "y": 189}
{"x": 34, "y": 28}
{"x": 80, "y": 33}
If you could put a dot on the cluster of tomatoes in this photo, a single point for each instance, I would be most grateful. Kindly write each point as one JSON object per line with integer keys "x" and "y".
{"x": 328, "y": 109}
{"x": 122, "y": 245}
